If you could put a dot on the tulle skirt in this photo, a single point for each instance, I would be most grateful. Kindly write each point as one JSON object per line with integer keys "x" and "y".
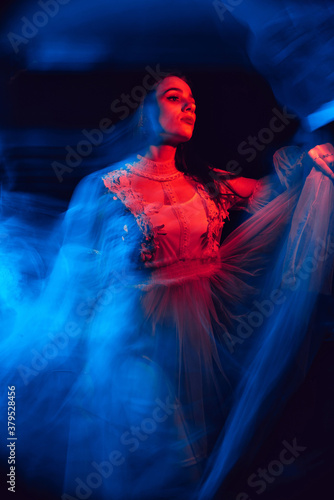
{"x": 182, "y": 364}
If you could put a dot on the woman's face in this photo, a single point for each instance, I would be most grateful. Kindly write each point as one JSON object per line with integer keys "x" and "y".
{"x": 177, "y": 110}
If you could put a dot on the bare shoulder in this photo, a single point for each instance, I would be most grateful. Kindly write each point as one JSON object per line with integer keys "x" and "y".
{"x": 243, "y": 186}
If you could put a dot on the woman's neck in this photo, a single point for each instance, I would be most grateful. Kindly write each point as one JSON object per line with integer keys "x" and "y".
{"x": 157, "y": 163}
{"x": 161, "y": 153}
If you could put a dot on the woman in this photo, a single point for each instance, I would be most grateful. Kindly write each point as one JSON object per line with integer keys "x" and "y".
{"x": 151, "y": 301}
{"x": 193, "y": 295}
{"x": 172, "y": 354}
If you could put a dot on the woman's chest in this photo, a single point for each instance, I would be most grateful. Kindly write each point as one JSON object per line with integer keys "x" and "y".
{"x": 178, "y": 218}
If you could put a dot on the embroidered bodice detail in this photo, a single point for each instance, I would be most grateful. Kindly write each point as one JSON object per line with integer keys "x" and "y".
{"x": 119, "y": 183}
{"x": 174, "y": 228}
{"x": 217, "y": 213}
{"x": 159, "y": 171}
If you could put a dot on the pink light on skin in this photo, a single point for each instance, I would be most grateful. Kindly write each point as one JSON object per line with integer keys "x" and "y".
{"x": 323, "y": 156}
{"x": 177, "y": 110}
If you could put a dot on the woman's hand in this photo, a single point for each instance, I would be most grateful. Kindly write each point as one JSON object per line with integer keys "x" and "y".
{"x": 323, "y": 157}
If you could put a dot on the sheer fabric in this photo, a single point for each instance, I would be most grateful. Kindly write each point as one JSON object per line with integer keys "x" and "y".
{"x": 142, "y": 310}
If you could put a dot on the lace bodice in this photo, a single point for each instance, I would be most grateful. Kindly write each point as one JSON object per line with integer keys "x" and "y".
{"x": 178, "y": 218}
